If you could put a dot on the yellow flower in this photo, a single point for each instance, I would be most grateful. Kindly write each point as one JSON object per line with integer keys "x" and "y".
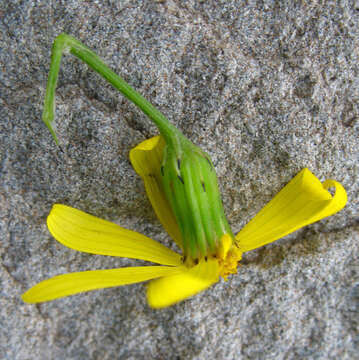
{"x": 303, "y": 201}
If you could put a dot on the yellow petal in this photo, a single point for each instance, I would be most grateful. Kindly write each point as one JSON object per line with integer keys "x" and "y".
{"x": 74, "y": 283}
{"x": 169, "y": 290}
{"x": 83, "y": 232}
{"x": 301, "y": 202}
{"x": 146, "y": 159}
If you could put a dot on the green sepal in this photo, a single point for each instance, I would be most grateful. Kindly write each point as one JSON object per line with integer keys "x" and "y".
{"x": 191, "y": 186}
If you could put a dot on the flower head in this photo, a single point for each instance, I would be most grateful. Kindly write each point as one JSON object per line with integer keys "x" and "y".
{"x": 301, "y": 202}
{"x": 181, "y": 184}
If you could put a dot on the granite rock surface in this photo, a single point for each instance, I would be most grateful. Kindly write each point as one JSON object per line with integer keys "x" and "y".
{"x": 265, "y": 87}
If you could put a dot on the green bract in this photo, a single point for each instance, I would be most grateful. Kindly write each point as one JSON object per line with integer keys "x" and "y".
{"x": 190, "y": 184}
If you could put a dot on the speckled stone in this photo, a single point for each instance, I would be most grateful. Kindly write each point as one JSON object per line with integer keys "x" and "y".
{"x": 265, "y": 87}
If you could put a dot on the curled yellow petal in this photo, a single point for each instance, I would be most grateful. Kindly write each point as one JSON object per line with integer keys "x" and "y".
{"x": 301, "y": 202}
{"x": 74, "y": 283}
{"x": 146, "y": 159}
{"x": 169, "y": 290}
{"x": 83, "y": 232}
{"x": 339, "y": 200}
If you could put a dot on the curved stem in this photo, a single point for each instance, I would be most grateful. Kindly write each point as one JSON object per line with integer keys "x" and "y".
{"x": 65, "y": 43}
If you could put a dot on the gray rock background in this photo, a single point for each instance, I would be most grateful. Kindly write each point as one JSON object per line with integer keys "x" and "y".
{"x": 266, "y": 87}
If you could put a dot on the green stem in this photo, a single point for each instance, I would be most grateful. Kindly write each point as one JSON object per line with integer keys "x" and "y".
{"x": 65, "y": 43}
